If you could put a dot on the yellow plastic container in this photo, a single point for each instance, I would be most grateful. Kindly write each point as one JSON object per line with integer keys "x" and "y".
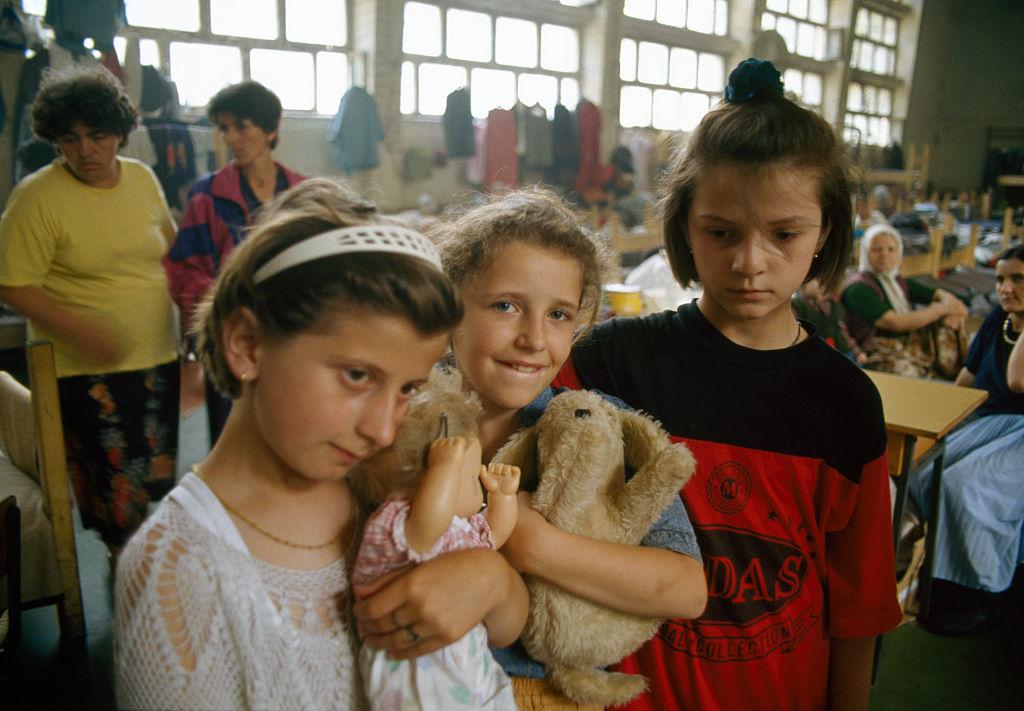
{"x": 625, "y": 300}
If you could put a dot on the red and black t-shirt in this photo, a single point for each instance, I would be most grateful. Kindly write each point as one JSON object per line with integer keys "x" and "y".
{"x": 790, "y": 502}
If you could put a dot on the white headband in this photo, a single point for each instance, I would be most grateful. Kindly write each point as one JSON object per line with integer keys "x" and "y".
{"x": 344, "y": 240}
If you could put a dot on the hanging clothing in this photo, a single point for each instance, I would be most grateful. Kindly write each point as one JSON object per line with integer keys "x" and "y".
{"x": 74, "y": 20}
{"x": 640, "y": 146}
{"x": 565, "y": 154}
{"x": 502, "y": 164}
{"x": 458, "y": 125}
{"x": 355, "y": 132}
{"x": 476, "y": 166}
{"x": 539, "y": 146}
{"x": 175, "y": 156}
{"x": 588, "y": 124}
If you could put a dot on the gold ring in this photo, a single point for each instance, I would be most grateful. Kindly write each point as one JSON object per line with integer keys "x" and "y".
{"x": 413, "y": 637}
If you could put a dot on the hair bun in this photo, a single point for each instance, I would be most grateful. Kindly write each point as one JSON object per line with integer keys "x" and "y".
{"x": 753, "y": 78}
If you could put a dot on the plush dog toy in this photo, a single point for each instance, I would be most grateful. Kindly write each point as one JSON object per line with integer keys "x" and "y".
{"x": 575, "y": 456}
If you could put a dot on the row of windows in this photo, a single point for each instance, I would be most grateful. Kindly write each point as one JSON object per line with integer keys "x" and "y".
{"x": 501, "y": 58}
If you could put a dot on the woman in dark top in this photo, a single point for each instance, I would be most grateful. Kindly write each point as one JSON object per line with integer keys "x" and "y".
{"x": 981, "y": 528}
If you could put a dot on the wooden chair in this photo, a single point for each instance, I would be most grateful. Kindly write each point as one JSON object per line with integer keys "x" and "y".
{"x": 34, "y": 439}
{"x": 10, "y": 571}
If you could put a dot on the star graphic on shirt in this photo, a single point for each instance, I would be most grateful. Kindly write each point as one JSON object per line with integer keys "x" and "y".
{"x": 772, "y": 515}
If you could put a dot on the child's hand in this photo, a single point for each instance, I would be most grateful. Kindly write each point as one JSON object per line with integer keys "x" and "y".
{"x": 447, "y": 451}
{"x": 500, "y": 478}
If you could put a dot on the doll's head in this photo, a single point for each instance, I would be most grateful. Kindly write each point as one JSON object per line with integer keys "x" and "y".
{"x": 441, "y": 409}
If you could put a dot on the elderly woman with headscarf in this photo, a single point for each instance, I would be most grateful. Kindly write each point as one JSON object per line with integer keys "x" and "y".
{"x": 882, "y": 318}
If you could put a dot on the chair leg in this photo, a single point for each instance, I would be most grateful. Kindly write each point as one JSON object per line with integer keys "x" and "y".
{"x": 71, "y": 617}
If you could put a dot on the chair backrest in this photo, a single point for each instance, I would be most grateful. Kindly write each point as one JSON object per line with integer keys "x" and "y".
{"x": 53, "y": 466}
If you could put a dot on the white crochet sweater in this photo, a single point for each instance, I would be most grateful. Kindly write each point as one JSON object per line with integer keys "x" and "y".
{"x": 201, "y": 624}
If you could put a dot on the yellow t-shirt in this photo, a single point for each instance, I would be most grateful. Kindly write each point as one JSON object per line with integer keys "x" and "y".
{"x": 96, "y": 252}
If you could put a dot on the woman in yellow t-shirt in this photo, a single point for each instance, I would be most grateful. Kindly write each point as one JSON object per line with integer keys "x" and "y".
{"x": 81, "y": 243}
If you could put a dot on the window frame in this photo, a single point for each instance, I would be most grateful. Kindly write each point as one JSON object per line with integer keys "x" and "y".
{"x": 205, "y": 35}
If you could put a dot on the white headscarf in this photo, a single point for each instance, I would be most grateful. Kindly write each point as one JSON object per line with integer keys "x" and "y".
{"x": 897, "y": 298}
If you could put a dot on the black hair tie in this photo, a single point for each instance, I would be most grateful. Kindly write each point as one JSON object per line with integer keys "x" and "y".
{"x": 751, "y": 79}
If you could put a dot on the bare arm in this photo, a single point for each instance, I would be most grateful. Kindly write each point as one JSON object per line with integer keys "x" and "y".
{"x": 964, "y": 378}
{"x": 502, "y": 483}
{"x": 89, "y": 335}
{"x": 436, "y": 498}
{"x": 443, "y": 598}
{"x": 918, "y": 318}
{"x": 651, "y": 582}
{"x": 849, "y": 683}
{"x": 1015, "y": 367}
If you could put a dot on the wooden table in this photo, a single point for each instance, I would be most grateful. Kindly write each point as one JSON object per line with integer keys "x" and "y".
{"x": 927, "y": 409}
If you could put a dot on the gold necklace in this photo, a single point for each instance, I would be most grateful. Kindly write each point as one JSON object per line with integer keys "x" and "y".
{"x": 259, "y": 529}
{"x": 1006, "y": 331}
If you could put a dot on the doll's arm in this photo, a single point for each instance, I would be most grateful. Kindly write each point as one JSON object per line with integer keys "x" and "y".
{"x": 435, "y": 500}
{"x": 502, "y": 483}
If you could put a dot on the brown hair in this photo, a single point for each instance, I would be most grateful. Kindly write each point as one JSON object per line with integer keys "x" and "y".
{"x": 470, "y": 241}
{"x": 299, "y": 298}
{"x": 765, "y": 131}
{"x": 90, "y": 95}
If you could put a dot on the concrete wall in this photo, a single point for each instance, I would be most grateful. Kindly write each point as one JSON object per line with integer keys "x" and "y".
{"x": 969, "y": 76}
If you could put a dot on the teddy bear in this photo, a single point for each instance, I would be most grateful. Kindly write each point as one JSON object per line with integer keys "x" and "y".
{"x": 575, "y": 458}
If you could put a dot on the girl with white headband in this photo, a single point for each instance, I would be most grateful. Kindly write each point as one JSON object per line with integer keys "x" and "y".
{"x": 234, "y": 594}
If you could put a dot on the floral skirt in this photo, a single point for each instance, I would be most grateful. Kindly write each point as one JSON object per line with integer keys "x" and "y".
{"x": 121, "y": 436}
{"x": 935, "y": 351}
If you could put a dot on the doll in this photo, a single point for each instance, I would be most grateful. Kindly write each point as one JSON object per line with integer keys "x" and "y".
{"x": 430, "y": 500}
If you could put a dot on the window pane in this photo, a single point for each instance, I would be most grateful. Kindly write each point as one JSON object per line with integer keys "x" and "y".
{"x": 491, "y": 89}
{"x": 792, "y": 79}
{"x": 627, "y": 60}
{"x": 767, "y": 21}
{"x": 516, "y": 42}
{"x": 421, "y": 32}
{"x": 818, "y": 11}
{"x": 890, "y": 30}
{"x": 672, "y": 12}
{"x": 635, "y": 106}
{"x": 120, "y": 45}
{"x": 315, "y": 22}
{"x": 885, "y": 102}
{"x": 682, "y": 70}
{"x": 867, "y": 54}
{"x": 862, "y": 23}
{"x": 805, "y": 39}
{"x": 870, "y": 99}
{"x": 812, "y": 89}
{"x": 244, "y": 18}
{"x": 881, "y": 65}
{"x": 721, "y": 17}
{"x": 437, "y": 81}
{"x": 853, "y": 98}
{"x": 35, "y": 7}
{"x": 652, "y": 63}
{"x": 694, "y": 107}
{"x": 200, "y": 70}
{"x": 876, "y": 31}
{"x": 331, "y": 80}
{"x": 149, "y": 53}
{"x": 539, "y": 89}
{"x": 181, "y": 15}
{"x": 640, "y": 9}
{"x": 570, "y": 92}
{"x": 786, "y": 26}
{"x": 711, "y": 72}
{"x": 884, "y": 132}
{"x": 407, "y": 103}
{"x": 700, "y": 16}
{"x": 559, "y": 48}
{"x": 820, "y": 40}
{"x": 290, "y": 75}
{"x": 667, "y": 115}
{"x": 468, "y": 36}
{"x": 798, "y": 8}
{"x": 778, "y": 6}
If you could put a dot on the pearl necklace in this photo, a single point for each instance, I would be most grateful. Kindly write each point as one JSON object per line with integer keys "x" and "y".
{"x": 1006, "y": 331}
